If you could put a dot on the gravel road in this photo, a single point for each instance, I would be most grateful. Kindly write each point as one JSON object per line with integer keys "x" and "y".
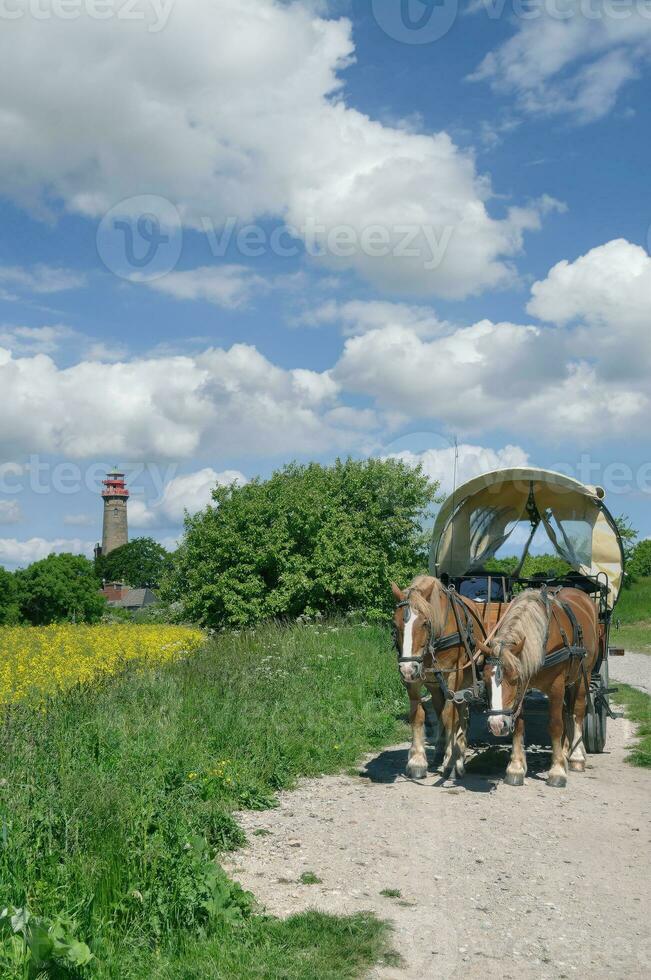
{"x": 494, "y": 881}
{"x": 633, "y": 669}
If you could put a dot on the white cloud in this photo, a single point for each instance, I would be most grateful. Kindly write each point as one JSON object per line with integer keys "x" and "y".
{"x": 438, "y": 464}
{"x": 227, "y": 401}
{"x": 10, "y": 512}
{"x": 237, "y": 109}
{"x": 22, "y": 553}
{"x": 499, "y": 377}
{"x": 229, "y": 286}
{"x": 34, "y": 340}
{"x": 41, "y": 278}
{"x": 608, "y": 291}
{"x": 570, "y": 59}
{"x": 191, "y": 492}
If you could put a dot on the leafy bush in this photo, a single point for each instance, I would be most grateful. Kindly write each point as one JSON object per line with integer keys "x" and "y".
{"x": 549, "y": 565}
{"x": 9, "y": 611}
{"x": 640, "y": 562}
{"x": 141, "y": 564}
{"x": 60, "y": 588}
{"x": 310, "y": 539}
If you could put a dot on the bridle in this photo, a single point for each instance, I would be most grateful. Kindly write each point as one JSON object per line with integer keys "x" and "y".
{"x": 462, "y": 638}
{"x": 513, "y": 713}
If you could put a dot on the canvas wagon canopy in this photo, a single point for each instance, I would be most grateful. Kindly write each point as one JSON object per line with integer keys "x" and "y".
{"x": 479, "y": 517}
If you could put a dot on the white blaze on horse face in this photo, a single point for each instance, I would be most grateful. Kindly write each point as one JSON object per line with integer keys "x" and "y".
{"x": 407, "y": 670}
{"x": 496, "y": 722}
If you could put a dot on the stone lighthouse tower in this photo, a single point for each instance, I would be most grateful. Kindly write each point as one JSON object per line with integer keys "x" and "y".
{"x": 115, "y": 531}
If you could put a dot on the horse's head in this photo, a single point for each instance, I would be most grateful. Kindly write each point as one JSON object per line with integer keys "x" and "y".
{"x": 412, "y": 631}
{"x": 502, "y": 680}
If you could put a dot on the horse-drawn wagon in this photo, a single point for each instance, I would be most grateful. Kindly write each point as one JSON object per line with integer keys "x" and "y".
{"x": 462, "y": 609}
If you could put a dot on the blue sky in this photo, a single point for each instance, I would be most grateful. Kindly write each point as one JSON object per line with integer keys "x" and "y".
{"x": 478, "y": 196}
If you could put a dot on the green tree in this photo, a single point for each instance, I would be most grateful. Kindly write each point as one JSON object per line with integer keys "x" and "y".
{"x": 141, "y": 564}
{"x": 548, "y": 565}
{"x": 9, "y": 612}
{"x": 310, "y": 539}
{"x": 60, "y": 588}
{"x": 640, "y": 562}
{"x": 628, "y": 534}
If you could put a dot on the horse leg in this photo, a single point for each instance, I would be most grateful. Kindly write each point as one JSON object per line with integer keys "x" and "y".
{"x": 417, "y": 760}
{"x": 577, "y": 749}
{"x": 517, "y": 767}
{"x": 438, "y": 703}
{"x": 557, "y": 772}
{"x": 460, "y": 741}
{"x": 448, "y": 717}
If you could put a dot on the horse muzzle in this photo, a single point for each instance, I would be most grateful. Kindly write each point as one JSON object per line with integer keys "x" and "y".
{"x": 500, "y": 724}
{"x": 411, "y": 669}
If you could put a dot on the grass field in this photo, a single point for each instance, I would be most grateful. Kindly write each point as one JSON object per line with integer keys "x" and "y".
{"x": 637, "y": 706}
{"x": 116, "y": 797}
{"x": 634, "y": 612}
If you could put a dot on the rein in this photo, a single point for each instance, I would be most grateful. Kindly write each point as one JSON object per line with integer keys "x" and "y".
{"x": 568, "y": 651}
{"x": 462, "y": 638}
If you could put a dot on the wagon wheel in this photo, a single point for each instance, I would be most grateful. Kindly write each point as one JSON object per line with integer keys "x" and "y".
{"x": 594, "y": 724}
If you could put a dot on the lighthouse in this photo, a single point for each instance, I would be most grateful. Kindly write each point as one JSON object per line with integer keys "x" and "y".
{"x": 115, "y": 531}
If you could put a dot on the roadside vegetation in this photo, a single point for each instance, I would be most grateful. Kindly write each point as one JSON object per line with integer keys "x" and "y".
{"x": 634, "y": 613}
{"x": 116, "y": 799}
{"x": 637, "y": 706}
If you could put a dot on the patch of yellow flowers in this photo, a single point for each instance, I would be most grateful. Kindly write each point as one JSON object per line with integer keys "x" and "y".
{"x": 51, "y": 658}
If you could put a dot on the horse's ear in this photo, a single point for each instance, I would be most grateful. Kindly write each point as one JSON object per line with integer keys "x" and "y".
{"x": 398, "y": 593}
{"x": 484, "y": 648}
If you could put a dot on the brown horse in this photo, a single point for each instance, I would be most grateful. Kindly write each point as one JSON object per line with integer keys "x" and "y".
{"x": 547, "y": 641}
{"x": 430, "y": 625}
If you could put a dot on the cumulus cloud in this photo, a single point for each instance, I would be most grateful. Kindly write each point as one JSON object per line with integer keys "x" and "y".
{"x": 237, "y": 110}
{"x": 506, "y": 376}
{"x": 572, "y": 59}
{"x": 22, "y": 553}
{"x": 439, "y": 464}
{"x": 227, "y": 401}
{"x": 608, "y": 292}
{"x": 190, "y": 492}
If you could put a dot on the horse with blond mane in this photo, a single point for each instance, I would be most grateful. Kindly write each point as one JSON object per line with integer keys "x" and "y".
{"x": 548, "y": 641}
{"x": 434, "y": 631}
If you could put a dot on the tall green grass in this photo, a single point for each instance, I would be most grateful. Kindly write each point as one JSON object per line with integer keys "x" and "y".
{"x": 117, "y": 798}
{"x": 634, "y": 604}
{"x": 634, "y": 612}
{"x": 637, "y": 706}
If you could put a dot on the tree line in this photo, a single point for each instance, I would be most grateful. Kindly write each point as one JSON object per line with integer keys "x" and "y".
{"x": 310, "y": 540}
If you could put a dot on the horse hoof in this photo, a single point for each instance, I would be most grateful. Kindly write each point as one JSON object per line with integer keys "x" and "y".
{"x": 416, "y": 772}
{"x": 577, "y": 766}
{"x": 559, "y": 782}
{"x": 514, "y": 779}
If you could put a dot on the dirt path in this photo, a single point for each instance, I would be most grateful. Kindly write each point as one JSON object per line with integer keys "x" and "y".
{"x": 495, "y": 881}
{"x": 633, "y": 669}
